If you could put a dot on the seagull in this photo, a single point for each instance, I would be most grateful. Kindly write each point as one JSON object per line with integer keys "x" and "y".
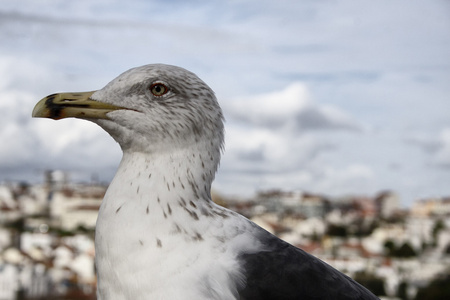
{"x": 158, "y": 233}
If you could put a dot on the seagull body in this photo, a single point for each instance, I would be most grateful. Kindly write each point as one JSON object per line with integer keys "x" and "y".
{"x": 158, "y": 234}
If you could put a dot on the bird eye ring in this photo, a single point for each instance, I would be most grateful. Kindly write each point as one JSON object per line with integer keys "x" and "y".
{"x": 158, "y": 89}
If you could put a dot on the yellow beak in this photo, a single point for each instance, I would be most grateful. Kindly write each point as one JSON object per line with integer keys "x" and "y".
{"x": 75, "y": 105}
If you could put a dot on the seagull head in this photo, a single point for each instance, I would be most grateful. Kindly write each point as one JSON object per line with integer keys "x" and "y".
{"x": 153, "y": 108}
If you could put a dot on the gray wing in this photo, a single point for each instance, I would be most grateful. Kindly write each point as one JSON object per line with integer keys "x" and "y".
{"x": 284, "y": 272}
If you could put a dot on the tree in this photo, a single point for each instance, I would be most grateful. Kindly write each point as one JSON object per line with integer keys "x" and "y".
{"x": 389, "y": 247}
{"x": 439, "y": 225}
{"x": 337, "y": 230}
{"x": 447, "y": 249}
{"x": 438, "y": 289}
{"x": 371, "y": 282}
{"x": 405, "y": 251}
{"x": 402, "y": 291}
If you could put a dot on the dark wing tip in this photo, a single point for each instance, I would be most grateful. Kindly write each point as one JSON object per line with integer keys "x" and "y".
{"x": 284, "y": 272}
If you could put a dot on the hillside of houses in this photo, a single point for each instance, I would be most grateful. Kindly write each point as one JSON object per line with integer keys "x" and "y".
{"x": 47, "y": 238}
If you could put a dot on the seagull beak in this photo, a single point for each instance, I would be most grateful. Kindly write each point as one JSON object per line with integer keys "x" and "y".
{"x": 75, "y": 105}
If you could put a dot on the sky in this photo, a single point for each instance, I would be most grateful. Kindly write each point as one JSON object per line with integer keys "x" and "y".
{"x": 331, "y": 97}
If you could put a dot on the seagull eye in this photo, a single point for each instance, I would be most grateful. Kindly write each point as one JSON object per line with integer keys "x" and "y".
{"x": 158, "y": 89}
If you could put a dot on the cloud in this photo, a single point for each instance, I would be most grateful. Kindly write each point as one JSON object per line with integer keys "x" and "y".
{"x": 30, "y": 146}
{"x": 443, "y": 151}
{"x": 277, "y": 139}
{"x": 280, "y": 131}
{"x": 436, "y": 146}
{"x": 311, "y": 75}
{"x": 258, "y": 150}
{"x": 313, "y": 177}
{"x": 288, "y": 109}
{"x": 426, "y": 142}
{"x": 353, "y": 178}
{"x": 270, "y": 109}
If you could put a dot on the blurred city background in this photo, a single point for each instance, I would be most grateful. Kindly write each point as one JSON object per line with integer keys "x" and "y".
{"x": 47, "y": 237}
{"x": 337, "y": 130}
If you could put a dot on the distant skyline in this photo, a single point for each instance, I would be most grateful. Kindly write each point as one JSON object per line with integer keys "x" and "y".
{"x": 330, "y": 97}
